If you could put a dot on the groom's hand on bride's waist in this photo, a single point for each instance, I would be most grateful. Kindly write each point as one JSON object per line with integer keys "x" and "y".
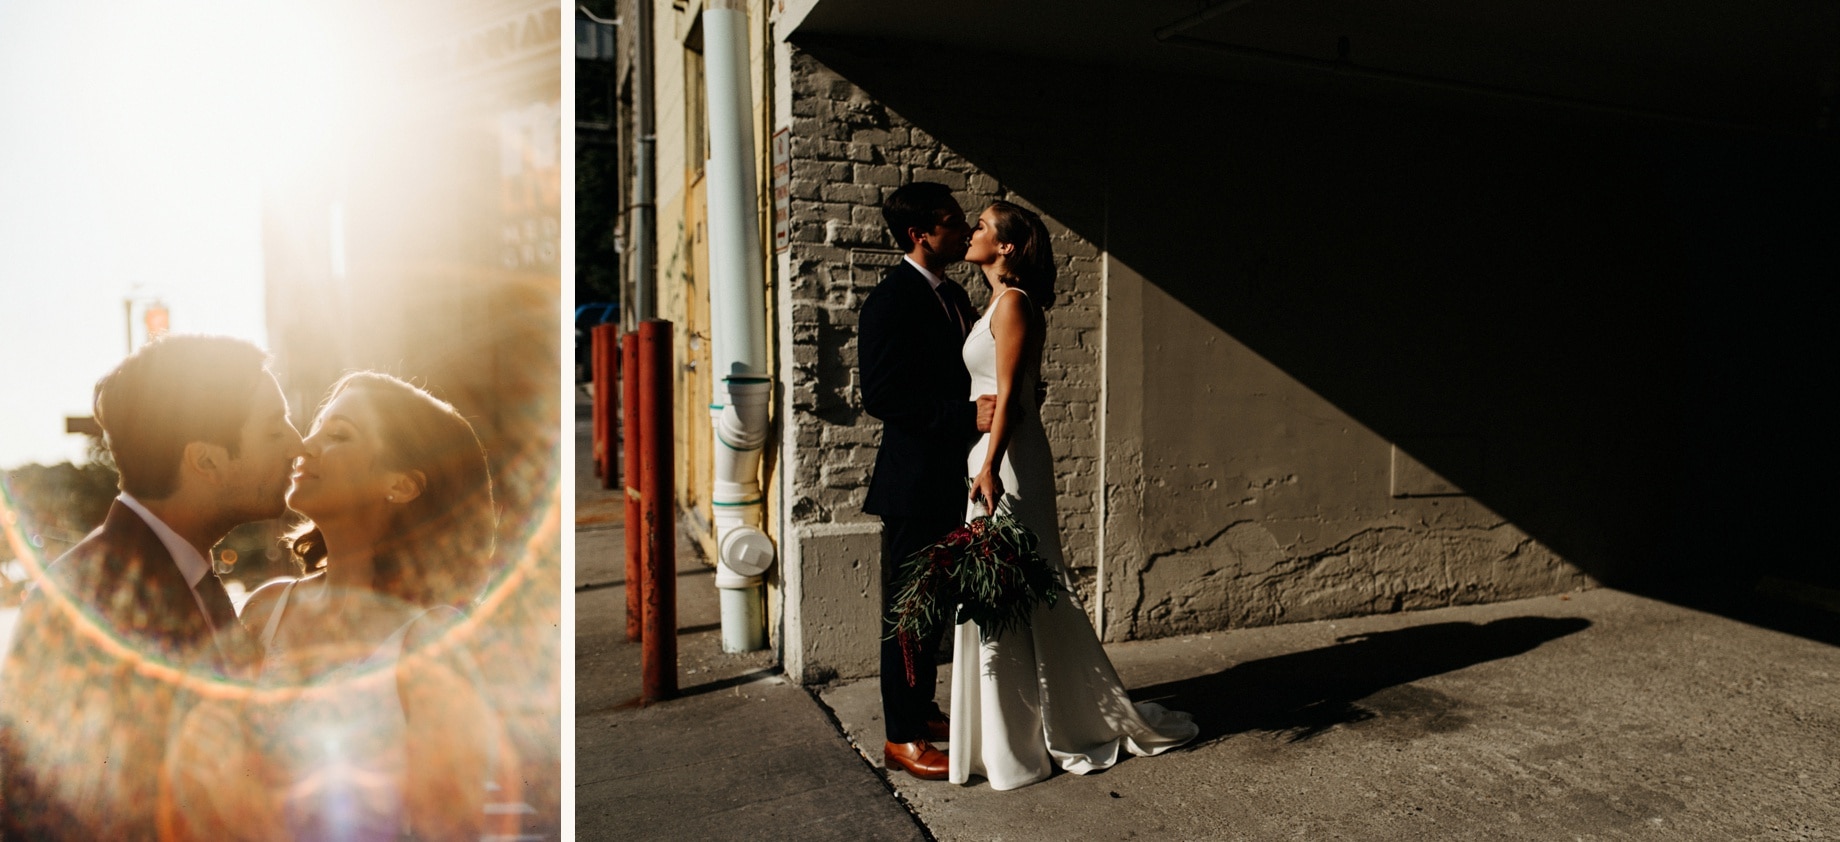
{"x": 986, "y": 410}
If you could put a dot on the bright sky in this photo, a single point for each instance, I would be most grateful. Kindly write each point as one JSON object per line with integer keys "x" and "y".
{"x": 136, "y": 140}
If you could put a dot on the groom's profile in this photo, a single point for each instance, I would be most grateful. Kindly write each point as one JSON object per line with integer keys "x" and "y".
{"x": 120, "y": 632}
{"x": 911, "y": 335}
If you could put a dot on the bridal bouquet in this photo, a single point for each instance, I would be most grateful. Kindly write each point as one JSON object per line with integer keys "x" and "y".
{"x": 988, "y": 568}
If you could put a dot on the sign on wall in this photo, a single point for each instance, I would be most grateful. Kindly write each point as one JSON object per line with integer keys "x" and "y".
{"x": 782, "y": 190}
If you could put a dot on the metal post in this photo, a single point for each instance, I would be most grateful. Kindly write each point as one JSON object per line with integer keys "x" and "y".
{"x": 629, "y": 464}
{"x": 597, "y": 375}
{"x": 606, "y": 385}
{"x": 657, "y": 512}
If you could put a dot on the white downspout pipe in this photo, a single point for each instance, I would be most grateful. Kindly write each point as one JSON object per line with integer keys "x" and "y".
{"x": 644, "y": 283}
{"x": 738, "y": 348}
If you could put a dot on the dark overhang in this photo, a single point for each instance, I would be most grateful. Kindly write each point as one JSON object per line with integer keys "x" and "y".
{"x": 1772, "y": 65}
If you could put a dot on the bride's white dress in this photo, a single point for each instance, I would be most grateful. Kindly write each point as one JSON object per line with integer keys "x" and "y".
{"x": 341, "y": 743}
{"x": 1047, "y": 695}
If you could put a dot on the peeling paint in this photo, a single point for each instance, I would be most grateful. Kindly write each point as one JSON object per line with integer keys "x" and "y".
{"x": 1243, "y": 575}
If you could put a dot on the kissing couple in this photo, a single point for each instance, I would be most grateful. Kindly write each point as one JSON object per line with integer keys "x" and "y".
{"x": 959, "y": 395}
{"x": 136, "y": 704}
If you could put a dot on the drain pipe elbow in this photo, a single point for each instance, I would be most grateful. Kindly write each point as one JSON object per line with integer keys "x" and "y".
{"x": 742, "y": 423}
{"x": 744, "y": 552}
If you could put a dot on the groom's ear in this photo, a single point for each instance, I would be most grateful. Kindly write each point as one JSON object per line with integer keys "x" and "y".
{"x": 203, "y": 458}
{"x": 407, "y": 485}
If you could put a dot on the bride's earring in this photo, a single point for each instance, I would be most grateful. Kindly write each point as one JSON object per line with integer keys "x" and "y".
{"x": 389, "y": 498}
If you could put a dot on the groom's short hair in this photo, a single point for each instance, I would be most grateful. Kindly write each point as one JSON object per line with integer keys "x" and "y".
{"x": 916, "y": 205}
{"x": 174, "y": 391}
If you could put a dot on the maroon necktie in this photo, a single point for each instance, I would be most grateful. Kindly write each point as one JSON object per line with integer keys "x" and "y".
{"x": 946, "y": 298}
{"x": 216, "y": 602}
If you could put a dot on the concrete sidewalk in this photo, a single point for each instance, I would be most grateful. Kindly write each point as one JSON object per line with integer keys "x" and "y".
{"x": 740, "y": 754}
{"x": 1598, "y": 715}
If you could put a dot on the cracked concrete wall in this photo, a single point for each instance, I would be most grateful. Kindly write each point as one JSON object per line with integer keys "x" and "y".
{"x": 1237, "y": 497}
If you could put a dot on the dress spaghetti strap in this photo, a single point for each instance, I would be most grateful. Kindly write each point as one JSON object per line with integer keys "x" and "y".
{"x": 274, "y": 617}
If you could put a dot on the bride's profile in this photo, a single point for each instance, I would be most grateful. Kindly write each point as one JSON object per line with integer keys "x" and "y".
{"x": 1045, "y": 696}
{"x": 365, "y": 721}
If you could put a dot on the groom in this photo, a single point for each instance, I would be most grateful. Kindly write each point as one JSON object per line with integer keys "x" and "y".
{"x": 124, "y": 630}
{"x": 910, "y": 338}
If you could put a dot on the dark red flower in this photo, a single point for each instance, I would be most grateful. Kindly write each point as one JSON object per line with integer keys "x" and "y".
{"x": 986, "y": 571}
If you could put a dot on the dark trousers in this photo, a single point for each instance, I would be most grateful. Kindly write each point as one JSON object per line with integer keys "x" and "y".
{"x": 906, "y": 706}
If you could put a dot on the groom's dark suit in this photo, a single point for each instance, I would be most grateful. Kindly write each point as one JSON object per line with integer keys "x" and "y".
{"x": 97, "y": 683}
{"x": 914, "y": 380}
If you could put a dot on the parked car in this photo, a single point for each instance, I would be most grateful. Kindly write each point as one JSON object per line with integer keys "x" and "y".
{"x": 586, "y": 317}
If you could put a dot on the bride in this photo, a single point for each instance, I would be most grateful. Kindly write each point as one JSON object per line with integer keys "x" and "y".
{"x": 366, "y": 722}
{"x": 1047, "y": 695}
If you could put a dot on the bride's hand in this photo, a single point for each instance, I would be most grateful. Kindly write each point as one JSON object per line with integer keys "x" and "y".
{"x": 988, "y": 487}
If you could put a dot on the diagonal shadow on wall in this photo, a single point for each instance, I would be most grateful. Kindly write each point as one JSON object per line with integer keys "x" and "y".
{"x": 1617, "y": 311}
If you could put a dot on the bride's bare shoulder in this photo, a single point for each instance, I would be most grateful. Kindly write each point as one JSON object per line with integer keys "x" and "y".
{"x": 1014, "y": 314}
{"x": 264, "y": 598}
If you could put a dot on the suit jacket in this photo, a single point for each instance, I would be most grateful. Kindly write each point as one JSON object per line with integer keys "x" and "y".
{"x": 108, "y": 656}
{"x": 914, "y": 380}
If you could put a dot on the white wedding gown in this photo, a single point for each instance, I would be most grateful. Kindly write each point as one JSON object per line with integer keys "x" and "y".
{"x": 1047, "y": 695}
{"x": 341, "y": 743}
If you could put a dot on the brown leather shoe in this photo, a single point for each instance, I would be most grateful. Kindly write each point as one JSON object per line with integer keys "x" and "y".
{"x": 918, "y": 758}
{"x": 938, "y": 729}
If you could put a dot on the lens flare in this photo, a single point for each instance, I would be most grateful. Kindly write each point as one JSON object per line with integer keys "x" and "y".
{"x": 319, "y": 756}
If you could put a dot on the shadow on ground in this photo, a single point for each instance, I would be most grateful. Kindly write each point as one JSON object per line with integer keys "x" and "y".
{"x": 1359, "y": 679}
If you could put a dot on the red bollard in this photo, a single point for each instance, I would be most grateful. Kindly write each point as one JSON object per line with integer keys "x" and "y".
{"x": 657, "y": 512}
{"x": 600, "y": 361}
{"x": 606, "y": 359}
{"x": 629, "y": 464}
{"x": 597, "y": 376}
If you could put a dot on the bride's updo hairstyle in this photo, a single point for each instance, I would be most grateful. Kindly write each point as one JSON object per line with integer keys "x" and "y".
{"x": 438, "y": 548}
{"x": 1030, "y": 267}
